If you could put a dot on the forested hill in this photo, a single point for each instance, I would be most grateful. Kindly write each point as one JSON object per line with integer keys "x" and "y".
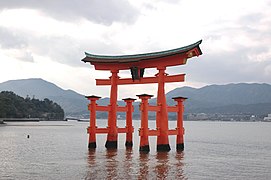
{"x": 237, "y": 98}
{"x": 72, "y": 102}
{"x": 14, "y": 106}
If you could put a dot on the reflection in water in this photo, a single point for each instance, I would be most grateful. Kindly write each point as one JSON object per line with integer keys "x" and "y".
{"x": 91, "y": 164}
{"x": 127, "y": 164}
{"x": 91, "y": 156}
{"x": 143, "y": 165}
{"x": 162, "y": 165}
{"x": 111, "y": 164}
{"x": 179, "y": 165}
{"x": 169, "y": 165}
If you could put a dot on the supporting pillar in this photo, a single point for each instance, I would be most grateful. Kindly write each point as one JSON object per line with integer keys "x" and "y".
{"x": 112, "y": 137}
{"x": 92, "y": 121}
{"x": 162, "y": 115}
{"x": 144, "y": 130}
{"x": 180, "y": 128}
{"x": 129, "y": 124}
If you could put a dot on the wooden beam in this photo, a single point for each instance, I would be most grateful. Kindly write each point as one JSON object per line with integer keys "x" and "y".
{"x": 121, "y": 108}
{"x": 172, "y": 132}
{"x": 144, "y": 80}
{"x": 106, "y": 130}
{"x": 101, "y": 130}
{"x": 122, "y": 130}
{"x": 151, "y": 132}
{"x": 172, "y": 109}
{"x": 102, "y": 108}
{"x": 154, "y": 132}
{"x": 154, "y": 108}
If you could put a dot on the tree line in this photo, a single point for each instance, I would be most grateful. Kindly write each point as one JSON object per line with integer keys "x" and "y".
{"x": 14, "y": 106}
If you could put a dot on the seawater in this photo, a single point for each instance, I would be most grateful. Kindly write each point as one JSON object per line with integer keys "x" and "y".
{"x": 58, "y": 150}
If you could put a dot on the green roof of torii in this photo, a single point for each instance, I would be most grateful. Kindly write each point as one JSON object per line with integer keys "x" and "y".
{"x": 140, "y": 57}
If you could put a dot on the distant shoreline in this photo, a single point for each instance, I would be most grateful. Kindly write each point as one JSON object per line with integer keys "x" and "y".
{"x": 2, "y": 120}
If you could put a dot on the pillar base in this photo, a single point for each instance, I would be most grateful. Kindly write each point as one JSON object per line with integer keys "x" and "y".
{"x": 128, "y": 144}
{"x": 144, "y": 148}
{"x": 111, "y": 144}
{"x": 92, "y": 145}
{"x": 163, "y": 148}
{"x": 180, "y": 147}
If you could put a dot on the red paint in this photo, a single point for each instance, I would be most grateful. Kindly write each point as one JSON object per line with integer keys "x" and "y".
{"x": 129, "y": 123}
{"x": 180, "y": 128}
{"x": 162, "y": 132}
{"x": 92, "y": 121}
{"x": 144, "y": 130}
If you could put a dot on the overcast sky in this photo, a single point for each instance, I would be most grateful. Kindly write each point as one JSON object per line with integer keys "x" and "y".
{"x": 47, "y": 39}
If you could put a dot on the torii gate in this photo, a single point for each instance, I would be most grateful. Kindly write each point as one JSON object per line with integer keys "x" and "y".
{"x": 137, "y": 64}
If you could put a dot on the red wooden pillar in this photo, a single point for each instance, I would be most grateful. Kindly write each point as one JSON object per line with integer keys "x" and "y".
{"x": 162, "y": 115}
{"x": 112, "y": 137}
{"x": 180, "y": 135}
{"x": 129, "y": 124}
{"x": 92, "y": 121}
{"x": 144, "y": 130}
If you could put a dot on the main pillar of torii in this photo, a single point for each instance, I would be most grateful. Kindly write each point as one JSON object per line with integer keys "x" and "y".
{"x": 137, "y": 64}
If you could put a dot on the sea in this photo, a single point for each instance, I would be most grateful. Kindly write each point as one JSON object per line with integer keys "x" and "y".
{"x": 58, "y": 150}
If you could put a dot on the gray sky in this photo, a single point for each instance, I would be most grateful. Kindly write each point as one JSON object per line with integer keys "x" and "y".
{"x": 47, "y": 39}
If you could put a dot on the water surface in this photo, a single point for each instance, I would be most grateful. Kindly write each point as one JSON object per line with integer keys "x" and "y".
{"x": 58, "y": 150}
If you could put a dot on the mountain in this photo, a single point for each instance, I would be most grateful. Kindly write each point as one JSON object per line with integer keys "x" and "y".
{"x": 14, "y": 106}
{"x": 72, "y": 102}
{"x": 228, "y": 98}
{"x": 231, "y": 98}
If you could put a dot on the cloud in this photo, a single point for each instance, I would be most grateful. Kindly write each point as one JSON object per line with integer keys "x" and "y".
{"x": 14, "y": 45}
{"x": 67, "y": 50}
{"x": 60, "y": 45}
{"x": 238, "y": 51}
{"x": 221, "y": 68}
{"x": 23, "y": 55}
{"x": 9, "y": 39}
{"x": 63, "y": 42}
{"x": 235, "y": 51}
{"x": 236, "y": 37}
{"x": 104, "y": 12}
